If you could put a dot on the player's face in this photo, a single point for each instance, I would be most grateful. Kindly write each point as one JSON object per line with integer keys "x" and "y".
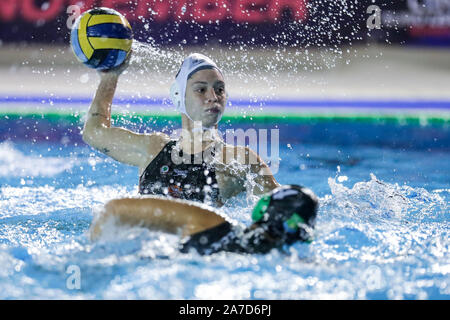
{"x": 206, "y": 97}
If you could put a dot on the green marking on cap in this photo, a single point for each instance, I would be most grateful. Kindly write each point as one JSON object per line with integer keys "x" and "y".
{"x": 260, "y": 208}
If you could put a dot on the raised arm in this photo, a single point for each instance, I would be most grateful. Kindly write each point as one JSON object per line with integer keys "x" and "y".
{"x": 158, "y": 213}
{"x": 121, "y": 144}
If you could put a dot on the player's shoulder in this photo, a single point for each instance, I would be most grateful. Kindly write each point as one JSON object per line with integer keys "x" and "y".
{"x": 157, "y": 141}
{"x": 157, "y": 136}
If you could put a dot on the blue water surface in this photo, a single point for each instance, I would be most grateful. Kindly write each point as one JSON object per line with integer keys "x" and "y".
{"x": 382, "y": 230}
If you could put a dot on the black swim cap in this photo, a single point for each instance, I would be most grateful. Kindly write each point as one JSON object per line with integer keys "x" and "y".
{"x": 288, "y": 212}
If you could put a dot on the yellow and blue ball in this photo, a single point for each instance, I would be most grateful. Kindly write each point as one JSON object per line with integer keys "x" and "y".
{"x": 101, "y": 38}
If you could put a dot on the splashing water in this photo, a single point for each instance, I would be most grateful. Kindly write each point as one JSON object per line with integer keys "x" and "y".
{"x": 14, "y": 163}
{"x": 374, "y": 240}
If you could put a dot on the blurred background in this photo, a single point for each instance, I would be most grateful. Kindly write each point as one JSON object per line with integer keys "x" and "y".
{"x": 310, "y": 56}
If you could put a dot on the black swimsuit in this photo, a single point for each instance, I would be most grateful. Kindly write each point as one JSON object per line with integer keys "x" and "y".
{"x": 192, "y": 179}
{"x": 226, "y": 237}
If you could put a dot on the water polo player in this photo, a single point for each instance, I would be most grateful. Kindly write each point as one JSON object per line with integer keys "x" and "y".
{"x": 200, "y": 95}
{"x": 285, "y": 215}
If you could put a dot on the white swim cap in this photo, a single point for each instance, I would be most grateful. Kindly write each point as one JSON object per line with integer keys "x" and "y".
{"x": 193, "y": 63}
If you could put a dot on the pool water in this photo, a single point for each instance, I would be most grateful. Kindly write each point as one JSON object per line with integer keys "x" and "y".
{"x": 382, "y": 229}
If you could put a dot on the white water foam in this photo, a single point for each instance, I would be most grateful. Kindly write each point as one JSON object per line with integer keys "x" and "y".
{"x": 14, "y": 163}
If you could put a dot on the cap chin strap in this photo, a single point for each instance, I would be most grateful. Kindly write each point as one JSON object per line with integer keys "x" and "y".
{"x": 175, "y": 96}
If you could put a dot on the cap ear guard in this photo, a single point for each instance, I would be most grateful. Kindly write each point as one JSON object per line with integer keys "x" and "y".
{"x": 293, "y": 223}
{"x": 175, "y": 95}
{"x": 296, "y": 229}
